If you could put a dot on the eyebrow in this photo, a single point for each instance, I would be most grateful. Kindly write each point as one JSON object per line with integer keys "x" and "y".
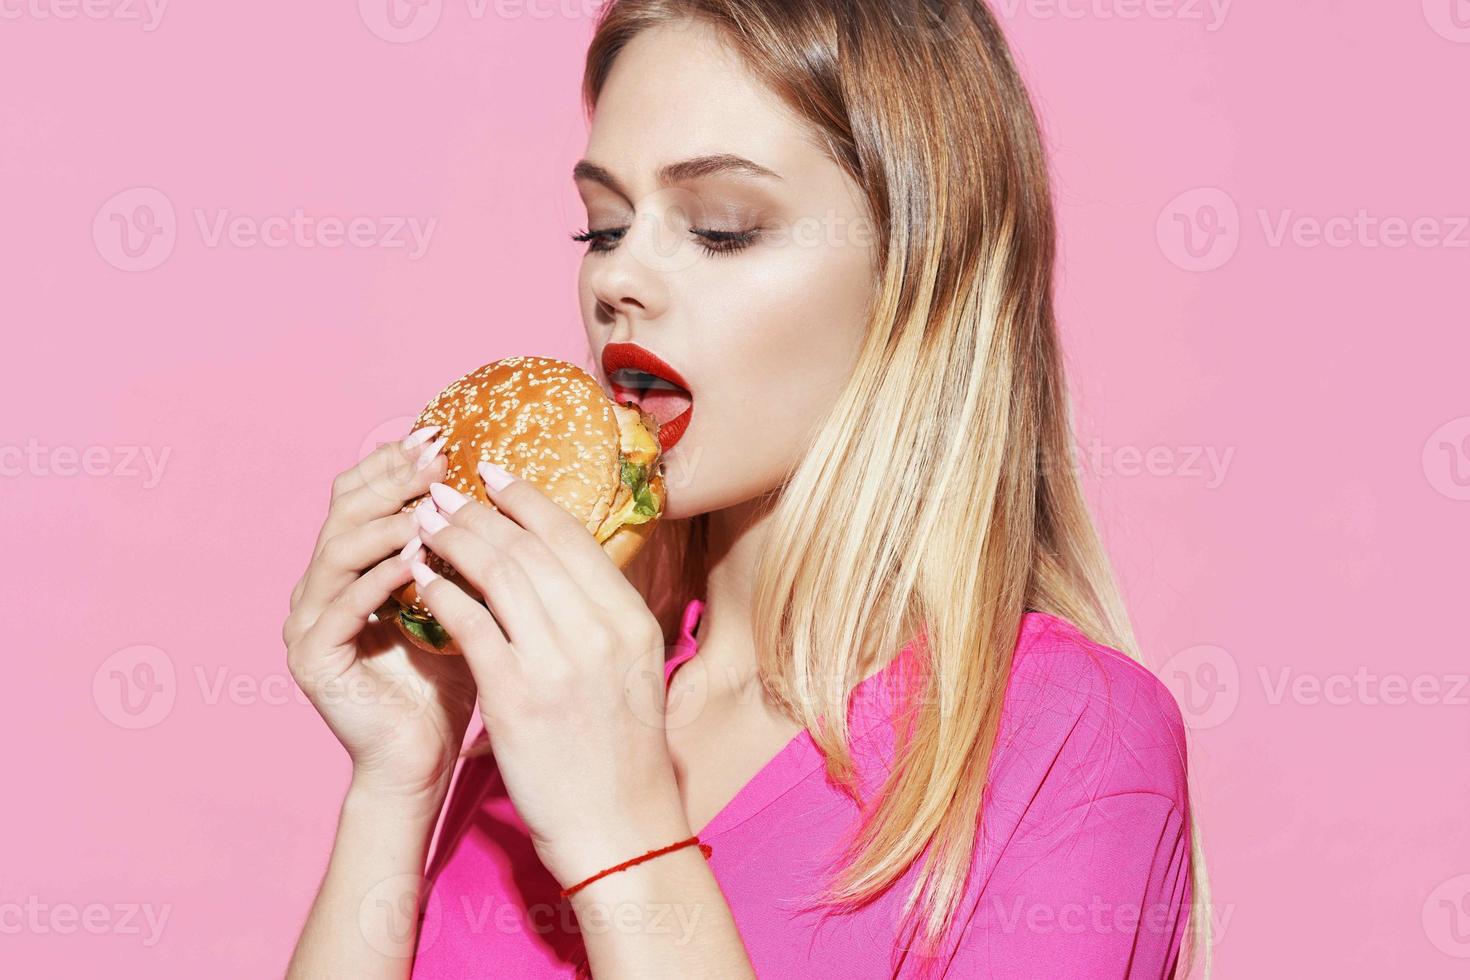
{"x": 673, "y": 173}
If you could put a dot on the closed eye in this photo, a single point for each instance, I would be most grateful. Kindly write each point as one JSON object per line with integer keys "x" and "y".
{"x": 600, "y": 239}
{"x": 713, "y": 241}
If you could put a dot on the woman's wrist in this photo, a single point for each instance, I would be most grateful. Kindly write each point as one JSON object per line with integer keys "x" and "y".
{"x": 665, "y": 916}
{"x": 364, "y": 920}
{"x": 613, "y": 838}
{"x": 372, "y": 799}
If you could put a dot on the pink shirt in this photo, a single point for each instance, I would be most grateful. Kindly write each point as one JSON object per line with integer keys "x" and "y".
{"x": 1082, "y": 869}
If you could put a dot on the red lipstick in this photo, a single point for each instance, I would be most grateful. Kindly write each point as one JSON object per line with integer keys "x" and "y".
{"x": 657, "y": 388}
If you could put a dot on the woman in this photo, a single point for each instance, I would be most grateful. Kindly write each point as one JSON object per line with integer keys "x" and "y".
{"x": 901, "y": 722}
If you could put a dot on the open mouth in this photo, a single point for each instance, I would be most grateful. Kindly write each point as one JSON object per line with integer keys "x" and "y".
{"x": 667, "y": 402}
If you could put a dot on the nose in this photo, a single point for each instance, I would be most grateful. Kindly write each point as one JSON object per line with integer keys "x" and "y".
{"x": 625, "y": 287}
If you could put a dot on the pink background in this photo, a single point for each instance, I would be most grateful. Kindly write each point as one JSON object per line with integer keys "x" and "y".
{"x": 1303, "y": 594}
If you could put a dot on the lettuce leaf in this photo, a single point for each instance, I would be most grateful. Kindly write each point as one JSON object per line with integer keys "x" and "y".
{"x": 427, "y": 630}
{"x": 644, "y": 505}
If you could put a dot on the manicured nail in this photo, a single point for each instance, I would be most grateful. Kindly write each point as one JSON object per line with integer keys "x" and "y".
{"x": 422, "y": 574}
{"x": 448, "y": 498}
{"x": 411, "y": 550}
{"x": 419, "y": 437}
{"x": 428, "y": 517}
{"x": 495, "y": 478}
{"x": 430, "y": 451}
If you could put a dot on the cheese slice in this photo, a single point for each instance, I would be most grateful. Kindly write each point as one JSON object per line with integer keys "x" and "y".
{"x": 637, "y": 452}
{"x": 637, "y": 444}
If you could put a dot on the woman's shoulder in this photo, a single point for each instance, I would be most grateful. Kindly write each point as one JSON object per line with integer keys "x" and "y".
{"x": 1083, "y": 721}
{"x": 1085, "y": 819}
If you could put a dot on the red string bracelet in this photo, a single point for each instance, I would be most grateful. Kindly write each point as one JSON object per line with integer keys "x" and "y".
{"x": 704, "y": 849}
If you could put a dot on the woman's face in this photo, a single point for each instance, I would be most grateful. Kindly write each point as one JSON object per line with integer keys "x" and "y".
{"x": 764, "y": 330}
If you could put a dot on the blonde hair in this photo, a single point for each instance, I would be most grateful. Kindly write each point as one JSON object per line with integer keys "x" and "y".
{"x": 921, "y": 104}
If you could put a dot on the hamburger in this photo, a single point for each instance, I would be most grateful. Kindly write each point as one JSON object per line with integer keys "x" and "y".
{"x": 550, "y": 423}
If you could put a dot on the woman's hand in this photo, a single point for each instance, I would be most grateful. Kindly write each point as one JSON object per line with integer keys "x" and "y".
{"x": 401, "y": 713}
{"x": 569, "y": 669}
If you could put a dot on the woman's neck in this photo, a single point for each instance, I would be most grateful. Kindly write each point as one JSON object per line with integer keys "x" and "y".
{"x": 725, "y": 634}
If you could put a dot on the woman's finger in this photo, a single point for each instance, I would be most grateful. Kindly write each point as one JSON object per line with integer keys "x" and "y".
{"x": 509, "y": 592}
{"x": 577, "y": 549}
{"x": 478, "y": 635}
{"x": 380, "y": 485}
{"x": 344, "y": 557}
{"x": 570, "y": 608}
{"x": 386, "y": 458}
{"x": 297, "y": 589}
{"x": 322, "y": 650}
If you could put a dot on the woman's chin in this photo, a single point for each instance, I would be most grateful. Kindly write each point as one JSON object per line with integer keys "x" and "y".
{"x": 685, "y": 502}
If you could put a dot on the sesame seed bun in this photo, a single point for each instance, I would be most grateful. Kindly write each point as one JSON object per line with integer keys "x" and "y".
{"x": 547, "y": 422}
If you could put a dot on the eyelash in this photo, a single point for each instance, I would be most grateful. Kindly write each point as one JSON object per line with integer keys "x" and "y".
{"x": 713, "y": 242}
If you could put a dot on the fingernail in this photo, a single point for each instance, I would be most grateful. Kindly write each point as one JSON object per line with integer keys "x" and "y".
{"x": 411, "y": 550}
{"x": 495, "y": 478}
{"x": 429, "y": 519}
{"x": 419, "y": 437}
{"x": 430, "y": 451}
{"x": 422, "y": 574}
{"x": 448, "y": 498}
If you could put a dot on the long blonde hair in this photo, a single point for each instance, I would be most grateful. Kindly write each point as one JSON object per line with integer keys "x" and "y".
{"x": 941, "y": 489}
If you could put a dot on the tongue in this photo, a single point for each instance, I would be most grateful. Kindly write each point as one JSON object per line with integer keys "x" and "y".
{"x": 665, "y": 403}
